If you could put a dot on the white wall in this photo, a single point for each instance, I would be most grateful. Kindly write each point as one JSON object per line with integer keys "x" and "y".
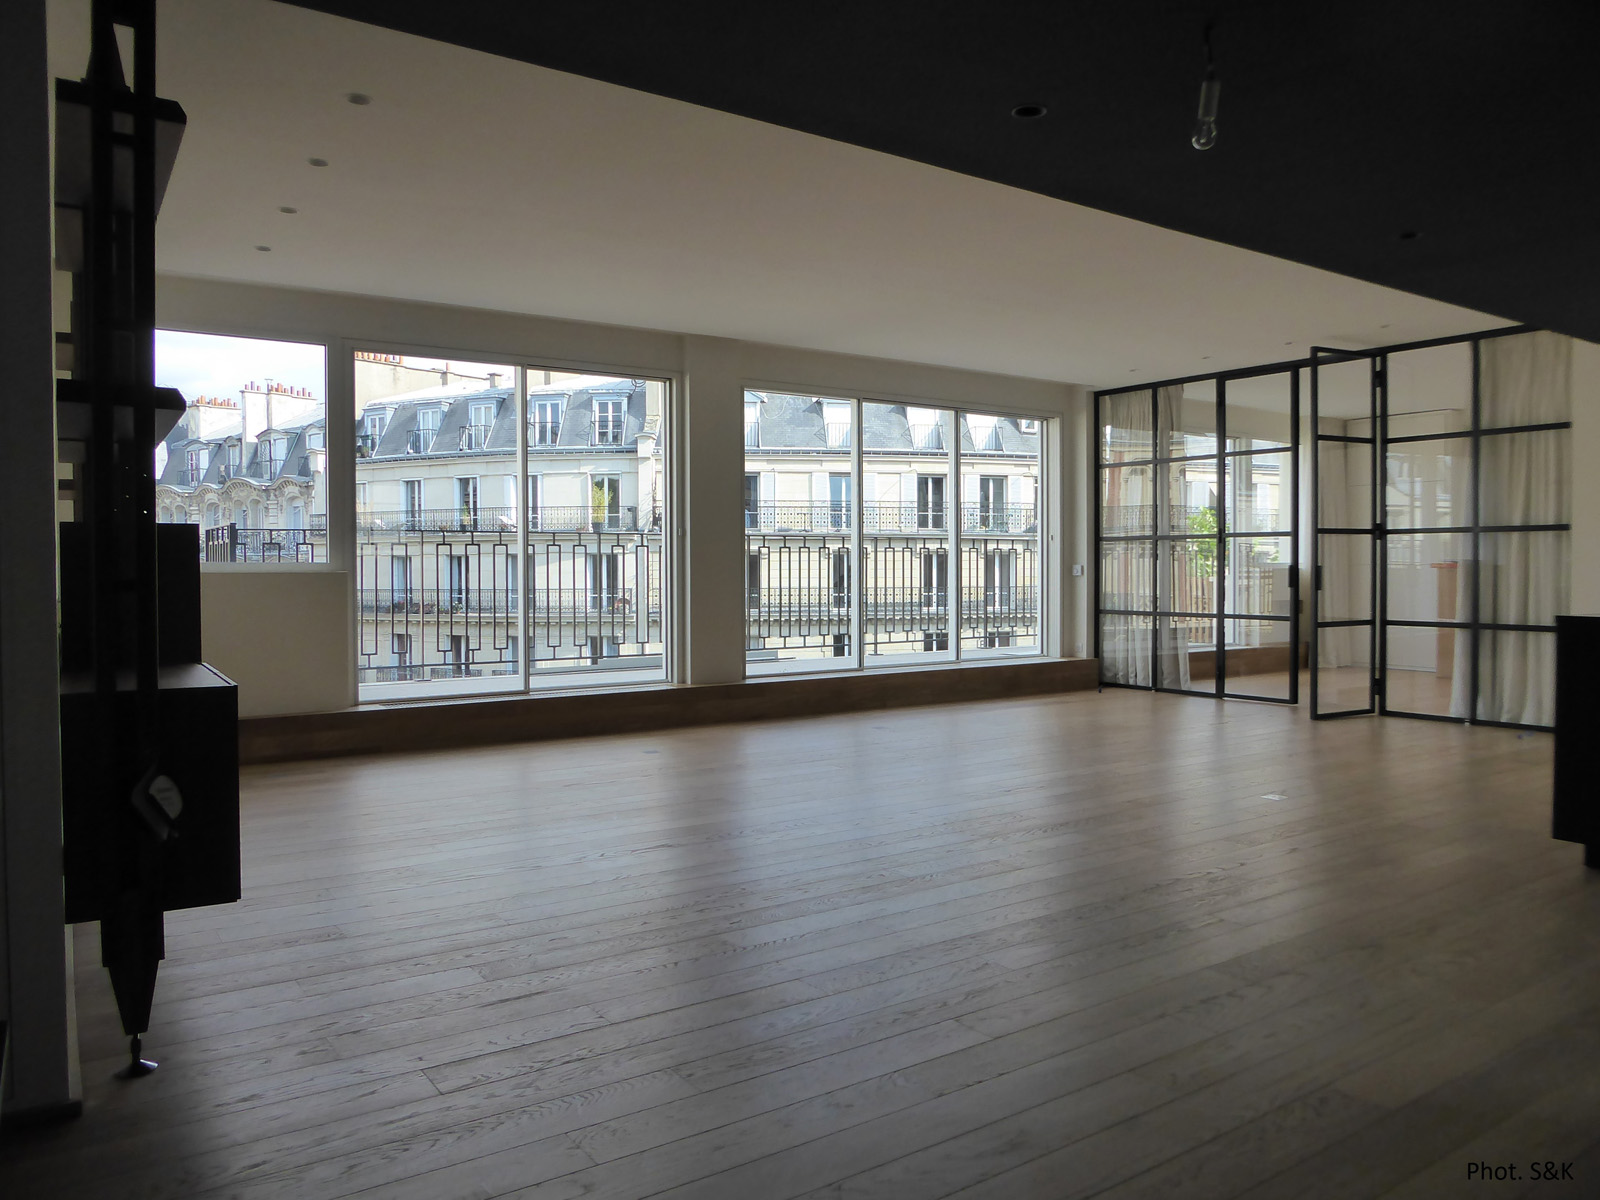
{"x": 34, "y": 997}
{"x": 707, "y": 545}
{"x": 282, "y": 635}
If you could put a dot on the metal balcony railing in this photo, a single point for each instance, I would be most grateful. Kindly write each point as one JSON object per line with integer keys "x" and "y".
{"x": 420, "y": 441}
{"x": 909, "y": 517}
{"x": 474, "y": 437}
{"x": 1137, "y": 518}
{"x": 574, "y": 518}
{"x": 366, "y": 444}
{"x": 544, "y": 433}
{"x": 235, "y": 544}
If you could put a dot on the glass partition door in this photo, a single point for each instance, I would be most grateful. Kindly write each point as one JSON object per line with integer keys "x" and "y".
{"x": 1344, "y": 606}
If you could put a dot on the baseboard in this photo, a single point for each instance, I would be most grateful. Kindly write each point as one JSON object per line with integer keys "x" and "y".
{"x": 40, "y": 1115}
{"x": 497, "y": 720}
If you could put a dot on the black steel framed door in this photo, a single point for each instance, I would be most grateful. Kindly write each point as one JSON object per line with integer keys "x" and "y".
{"x": 1347, "y": 525}
{"x": 1198, "y": 530}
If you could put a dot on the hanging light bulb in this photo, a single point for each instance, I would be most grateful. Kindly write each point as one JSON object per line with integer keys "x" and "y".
{"x": 1205, "y": 122}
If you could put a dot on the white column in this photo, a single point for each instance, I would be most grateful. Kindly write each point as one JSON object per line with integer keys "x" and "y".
{"x": 33, "y": 970}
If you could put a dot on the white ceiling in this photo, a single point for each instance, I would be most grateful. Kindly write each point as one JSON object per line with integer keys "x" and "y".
{"x": 480, "y": 181}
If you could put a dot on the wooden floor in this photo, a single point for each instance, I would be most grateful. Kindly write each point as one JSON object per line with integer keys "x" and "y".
{"x": 1120, "y": 945}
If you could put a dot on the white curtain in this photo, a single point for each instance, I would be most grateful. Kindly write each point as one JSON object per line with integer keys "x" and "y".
{"x": 1525, "y": 479}
{"x": 1125, "y": 650}
{"x": 1344, "y": 490}
{"x": 1173, "y": 662}
{"x": 1128, "y": 508}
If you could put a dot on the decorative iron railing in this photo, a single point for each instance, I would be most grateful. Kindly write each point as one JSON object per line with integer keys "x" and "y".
{"x": 236, "y": 544}
{"x": 896, "y": 517}
{"x": 573, "y": 518}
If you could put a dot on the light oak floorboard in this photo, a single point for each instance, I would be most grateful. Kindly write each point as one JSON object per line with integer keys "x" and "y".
{"x": 1117, "y": 945}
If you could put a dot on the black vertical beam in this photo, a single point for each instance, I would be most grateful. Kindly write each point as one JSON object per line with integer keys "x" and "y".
{"x": 1314, "y": 647}
{"x": 1220, "y": 657}
{"x": 1375, "y": 542}
{"x": 1380, "y": 516}
{"x": 140, "y": 14}
{"x": 1158, "y": 491}
{"x": 1097, "y": 485}
{"x": 1475, "y": 632}
{"x": 1294, "y": 537}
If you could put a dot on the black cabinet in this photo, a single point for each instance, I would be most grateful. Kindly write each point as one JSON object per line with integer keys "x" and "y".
{"x": 1577, "y": 777}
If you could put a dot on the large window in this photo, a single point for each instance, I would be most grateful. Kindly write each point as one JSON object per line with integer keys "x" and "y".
{"x": 247, "y": 461}
{"x": 466, "y": 587}
{"x": 855, "y": 553}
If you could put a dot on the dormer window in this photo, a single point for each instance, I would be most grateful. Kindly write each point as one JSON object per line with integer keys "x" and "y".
{"x": 544, "y": 423}
{"x": 926, "y": 433}
{"x": 1028, "y": 425}
{"x": 428, "y": 422}
{"x": 752, "y": 422}
{"x": 608, "y": 422}
{"x": 480, "y": 421}
{"x": 985, "y": 431}
{"x": 836, "y": 423}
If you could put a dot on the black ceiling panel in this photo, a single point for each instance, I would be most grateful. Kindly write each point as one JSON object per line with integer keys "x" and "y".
{"x": 1444, "y": 149}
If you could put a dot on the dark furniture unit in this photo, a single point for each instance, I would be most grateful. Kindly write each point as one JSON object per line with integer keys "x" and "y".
{"x": 1577, "y": 783}
{"x": 149, "y": 734}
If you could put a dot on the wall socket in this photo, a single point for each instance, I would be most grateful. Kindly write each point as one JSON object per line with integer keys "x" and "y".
{"x": 1077, "y": 568}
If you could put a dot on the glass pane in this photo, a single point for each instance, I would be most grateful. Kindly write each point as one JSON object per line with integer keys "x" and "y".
{"x": 1187, "y": 575}
{"x": 1346, "y": 563}
{"x": 1523, "y": 578}
{"x": 1344, "y": 485}
{"x": 799, "y": 506}
{"x": 1125, "y": 576}
{"x": 1258, "y": 579}
{"x": 1188, "y": 416}
{"x": 1125, "y": 650}
{"x": 1429, "y": 484}
{"x": 906, "y": 518}
{"x": 1259, "y": 412}
{"x": 1423, "y": 668}
{"x": 1125, "y": 427}
{"x": 1526, "y": 478}
{"x": 1516, "y": 678}
{"x": 1260, "y": 493}
{"x": 1344, "y": 669}
{"x": 1425, "y": 581}
{"x": 1191, "y": 501}
{"x": 1259, "y": 659}
{"x": 1000, "y": 504}
{"x": 436, "y": 527}
{"x": 595, "y": 524}
{"x": 1187, "y": 659}
{"x": 1127, "y": 500}
{"x": 247, "y": 460}
{"x": 1430, "y": 390}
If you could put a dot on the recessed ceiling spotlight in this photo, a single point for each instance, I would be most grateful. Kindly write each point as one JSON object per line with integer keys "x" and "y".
{"x": 1408, "y": 235}
{"x": 287, "y": 210}
{"x": 1385, "y": 325}
{"x": 1205, "y": 358}
{"x": 1028, "y": 112}
{"x": 263, "y": 249}
{"x": 317, "y": 162}
{"x": 358, "y": 98}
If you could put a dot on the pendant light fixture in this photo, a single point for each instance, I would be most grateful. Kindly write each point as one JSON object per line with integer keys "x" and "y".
{"x": 1205, "y": 123}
